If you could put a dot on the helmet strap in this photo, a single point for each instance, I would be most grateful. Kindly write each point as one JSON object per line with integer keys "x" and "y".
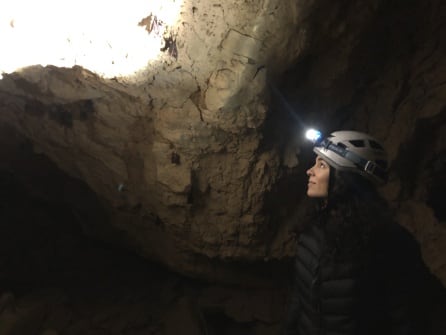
{"x": 365, "y": 165}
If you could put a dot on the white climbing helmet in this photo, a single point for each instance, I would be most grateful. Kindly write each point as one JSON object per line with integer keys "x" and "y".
{"x": 356, "y": 152}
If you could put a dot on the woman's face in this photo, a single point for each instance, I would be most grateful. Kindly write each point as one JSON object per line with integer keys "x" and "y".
{"x": 318, "y": 177}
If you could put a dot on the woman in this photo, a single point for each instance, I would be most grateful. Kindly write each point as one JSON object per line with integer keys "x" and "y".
{"x": 356, "y": 271}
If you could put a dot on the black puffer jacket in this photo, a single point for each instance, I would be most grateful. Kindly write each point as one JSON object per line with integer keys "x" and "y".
{"x": 376, "y": 295}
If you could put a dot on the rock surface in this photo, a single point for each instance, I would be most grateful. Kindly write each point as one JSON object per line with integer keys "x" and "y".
{"x": 195, "y": 159}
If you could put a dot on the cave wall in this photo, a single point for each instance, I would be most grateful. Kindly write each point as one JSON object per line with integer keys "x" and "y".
{"x": 195, "y": 159}
{"x": 174, "y": 150}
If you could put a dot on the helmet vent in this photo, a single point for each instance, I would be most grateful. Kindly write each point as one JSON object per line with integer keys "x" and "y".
{"x": 375, "y": 145}
{"x": 358, "y": 143}
{"x": 356, "y": 152}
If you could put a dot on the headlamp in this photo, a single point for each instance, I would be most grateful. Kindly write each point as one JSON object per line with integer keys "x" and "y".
{"x": 313, "y": 135}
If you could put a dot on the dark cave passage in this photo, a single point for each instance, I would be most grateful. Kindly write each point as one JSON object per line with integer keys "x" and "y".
{"x": 63, "y": 281}
{"x": 54, "y": 279}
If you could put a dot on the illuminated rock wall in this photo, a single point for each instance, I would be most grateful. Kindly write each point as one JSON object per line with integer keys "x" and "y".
{"x": 195, "y": 156}
{"x": 175, "y": 150}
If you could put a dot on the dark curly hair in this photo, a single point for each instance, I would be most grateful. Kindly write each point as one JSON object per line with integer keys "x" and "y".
{"x": 352, "y": 213}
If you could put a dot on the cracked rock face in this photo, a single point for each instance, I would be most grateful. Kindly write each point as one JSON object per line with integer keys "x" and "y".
{"x": 175, "y": 151}
{"x": 195, "y": 159}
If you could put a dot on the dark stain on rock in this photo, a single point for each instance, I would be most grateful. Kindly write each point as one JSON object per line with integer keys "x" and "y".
{"x": 35, "y": 108}
{"x": 60, "y": 115}
{"x": 170, "y": 45}
{"x": 64, "y": 114}
{"x": 175, "y": 158}
{"x": 87, "y": 108}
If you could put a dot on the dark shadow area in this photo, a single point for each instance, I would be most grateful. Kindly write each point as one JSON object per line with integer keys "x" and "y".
{"x": 57, "y": 279}
{"x": 217, "y": 323}
{"x": 63, "y": 281}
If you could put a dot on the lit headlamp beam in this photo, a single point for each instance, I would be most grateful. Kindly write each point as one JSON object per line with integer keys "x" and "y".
{"x": 313, "y": 135}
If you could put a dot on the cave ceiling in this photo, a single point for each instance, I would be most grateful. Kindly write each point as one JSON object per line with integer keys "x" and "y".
{"x": 186, "y": 131}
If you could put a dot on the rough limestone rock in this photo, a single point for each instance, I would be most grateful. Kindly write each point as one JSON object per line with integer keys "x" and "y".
{"x": 174, "y": 151}
{"x": 195, "y": 158}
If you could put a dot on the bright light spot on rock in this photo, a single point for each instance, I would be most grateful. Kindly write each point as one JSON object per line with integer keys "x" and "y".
{"x": 106, "y": 37}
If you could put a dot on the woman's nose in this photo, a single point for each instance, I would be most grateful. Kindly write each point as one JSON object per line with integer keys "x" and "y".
{"x": 309, "y": 171}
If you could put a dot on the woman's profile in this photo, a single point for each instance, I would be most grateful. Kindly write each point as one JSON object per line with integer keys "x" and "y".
{"x": 356, "y": 271}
